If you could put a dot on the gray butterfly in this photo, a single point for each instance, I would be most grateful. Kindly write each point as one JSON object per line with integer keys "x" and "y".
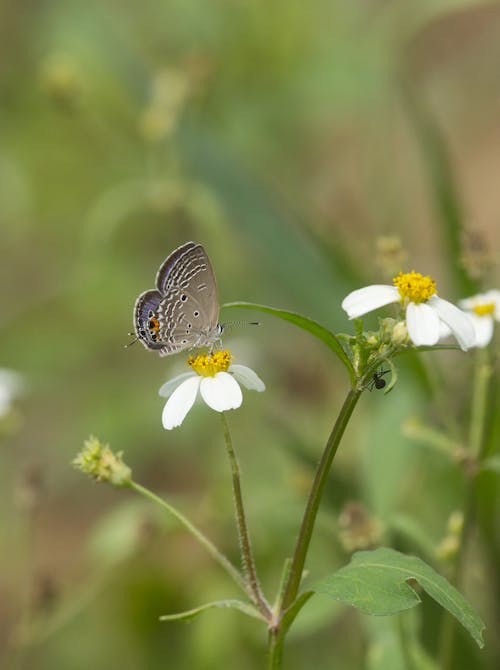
{"x": 182, "y": 312}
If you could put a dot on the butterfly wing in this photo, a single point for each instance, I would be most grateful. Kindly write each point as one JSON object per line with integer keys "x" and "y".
{"x": 185, "y": 324}
{"x": 189, "y": 309}
{"x": 146, "y": 322}
{"x": 173, "y": 265}
{"x": 183, "y": 312}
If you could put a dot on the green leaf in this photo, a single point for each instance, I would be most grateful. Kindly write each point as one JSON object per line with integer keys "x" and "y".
{"x": 234, "y": 604}
{"x": 376, "y": 582}
{"x": 304, "y": 322}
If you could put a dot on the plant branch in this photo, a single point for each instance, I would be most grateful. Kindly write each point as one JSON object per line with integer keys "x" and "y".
{"x": 315, "y": 494}
{"x": 247, "y": 558}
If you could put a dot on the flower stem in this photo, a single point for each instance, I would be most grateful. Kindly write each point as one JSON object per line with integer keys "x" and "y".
{"x": 195, "y": 532}
{"x": 275, "y": 648}
{"x": 482, "y": 375}
{"x": 254, "y": 590}
{"x": 476, "y": 451}
{"x": 318, "y": 485}
{"x": 288, "y": 601}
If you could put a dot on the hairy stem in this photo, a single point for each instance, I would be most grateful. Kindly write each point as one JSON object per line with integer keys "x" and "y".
{"x": 241, "y": 522}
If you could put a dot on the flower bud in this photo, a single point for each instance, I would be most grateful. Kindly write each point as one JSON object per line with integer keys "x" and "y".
{"x": 98, "y": 461}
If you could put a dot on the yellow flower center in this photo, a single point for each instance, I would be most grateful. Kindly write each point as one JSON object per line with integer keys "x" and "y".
{"x": 414, "y": 287}
{"x": 484, "y": 310}
{"x": 207, "y": 365}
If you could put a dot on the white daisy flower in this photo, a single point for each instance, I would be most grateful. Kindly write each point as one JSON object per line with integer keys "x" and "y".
{"x": 425, "y": 310}
{"x": 215, "y": 378}
{"x": 483, "y": 310}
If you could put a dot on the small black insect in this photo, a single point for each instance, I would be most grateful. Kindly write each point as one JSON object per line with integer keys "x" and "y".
{"x": 377, "y": 381}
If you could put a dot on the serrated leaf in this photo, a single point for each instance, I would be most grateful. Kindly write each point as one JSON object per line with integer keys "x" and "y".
{"x": 304, "y": 322}
{"x": 376, "y": 582}
{"x": 233, "y": 604}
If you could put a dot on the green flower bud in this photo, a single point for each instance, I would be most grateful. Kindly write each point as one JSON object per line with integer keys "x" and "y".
{"x": 101, "y": 463}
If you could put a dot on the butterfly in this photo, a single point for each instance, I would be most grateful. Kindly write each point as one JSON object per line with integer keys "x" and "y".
{"x": 182, "y": 312}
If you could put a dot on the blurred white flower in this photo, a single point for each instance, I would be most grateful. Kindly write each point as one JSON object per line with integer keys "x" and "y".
{"x": 483, "y": 310}
{"x": 425, "y": 311}
{"x": 10, "y": 387}
{"x": 215, "y": 378}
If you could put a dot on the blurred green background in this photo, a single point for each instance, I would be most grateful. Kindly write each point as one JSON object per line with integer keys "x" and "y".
{"x": 288, "y": 137}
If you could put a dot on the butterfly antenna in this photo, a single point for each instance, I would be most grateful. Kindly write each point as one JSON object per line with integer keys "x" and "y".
{"x": 232, "y": 324}
{"x": 133, "y": 341}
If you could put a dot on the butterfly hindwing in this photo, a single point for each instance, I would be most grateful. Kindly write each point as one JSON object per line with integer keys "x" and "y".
{"x": 146, "y": 323}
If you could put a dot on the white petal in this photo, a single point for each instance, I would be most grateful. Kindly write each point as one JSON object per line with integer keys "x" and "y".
{"x": 11, "y": 384}
{"x": 221, "y": 392}
{"x": 494, "y": 297}
{"x": 11, "y": 381}
{"x": 444, "y": 331}
{"x": 169, "y": 387}
{"x": 489, "y": 297}
{"x": 458, "y": 321}
{"x": 470, "y": 303}
{"x": 247, "y": 377}
{"x": 483, "y": 329}
{"x": 180, "y": 402}
{"x": 369, "y": 298}
{"x": 5, "y": 402}
{"x": 423, "y": 324}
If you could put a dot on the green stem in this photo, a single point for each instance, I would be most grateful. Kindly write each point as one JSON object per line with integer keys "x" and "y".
{"x": 476, "y": 451}
{"x": 482, "y": 376}
{"x": 241, "y": 522}
{"x": 275, "y": 648}
{"x": 290, "y": 604}
{"x": 278, "y": 605}
{"x": 278, "y": 628}
{"x": 318, "y": 485}
{"x": 202, "y": 539}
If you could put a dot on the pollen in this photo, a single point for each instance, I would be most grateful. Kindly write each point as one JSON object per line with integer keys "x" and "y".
{"x": 207, "y": 365}
{"x": 486, "y": 309}
{"x": 414, "y": 287}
